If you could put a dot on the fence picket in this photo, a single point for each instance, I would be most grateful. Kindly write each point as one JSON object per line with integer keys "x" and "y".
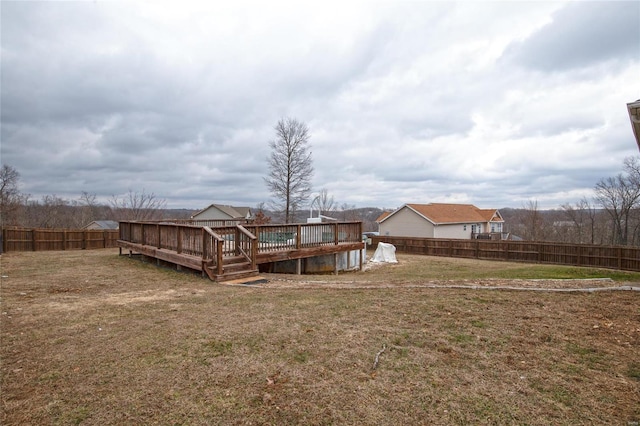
{"x": 586, "y": 255}
{"x": 29, "y": 239}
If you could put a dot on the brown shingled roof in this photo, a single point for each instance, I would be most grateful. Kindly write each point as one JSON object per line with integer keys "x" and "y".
{"x": 454, "y": 213}
{"x": 382, "y": 216}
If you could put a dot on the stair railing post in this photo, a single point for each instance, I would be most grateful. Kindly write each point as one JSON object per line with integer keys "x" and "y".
{"x": 254, "y": 253}
{"x": 219, "y": 245}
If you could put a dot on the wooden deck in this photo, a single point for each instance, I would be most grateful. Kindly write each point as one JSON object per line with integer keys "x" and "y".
{"x": 226, "y": 252}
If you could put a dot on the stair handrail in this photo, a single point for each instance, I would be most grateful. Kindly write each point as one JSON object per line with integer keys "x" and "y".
{"x": 218, "y": 249}
{"x": 253, "y": 248}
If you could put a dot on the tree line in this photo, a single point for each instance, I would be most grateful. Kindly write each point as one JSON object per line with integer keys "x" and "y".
{"x": 611, "y": 216}
{"x": 52, "y": 211}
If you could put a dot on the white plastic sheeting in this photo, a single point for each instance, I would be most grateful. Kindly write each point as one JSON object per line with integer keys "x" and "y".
{"x": 384, "y": 253}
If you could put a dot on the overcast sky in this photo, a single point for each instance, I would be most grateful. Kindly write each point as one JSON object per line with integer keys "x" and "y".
{"x": 490, "y": 103}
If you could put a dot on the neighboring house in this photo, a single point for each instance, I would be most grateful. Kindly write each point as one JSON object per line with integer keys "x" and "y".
{"x": 634, "y": 116}
{"x": 102, "y": 225}
{"x": 222, "y": 212}
{"x": 435, "y": 220}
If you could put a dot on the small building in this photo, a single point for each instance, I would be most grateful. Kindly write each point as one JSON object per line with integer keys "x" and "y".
{"x": 223, "y": 212}
{"x": 437, "y": 220}
{"x": 102, "y": 225}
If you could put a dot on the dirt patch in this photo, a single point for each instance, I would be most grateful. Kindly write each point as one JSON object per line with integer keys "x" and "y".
{"x": 93, "y": 338}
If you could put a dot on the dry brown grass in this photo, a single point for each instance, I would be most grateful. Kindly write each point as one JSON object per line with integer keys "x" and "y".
{"x": 92, "y": 338}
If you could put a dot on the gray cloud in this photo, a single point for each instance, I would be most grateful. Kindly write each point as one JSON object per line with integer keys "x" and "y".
{"x": 408, "y": 102}
{"x": 582, "y": 34}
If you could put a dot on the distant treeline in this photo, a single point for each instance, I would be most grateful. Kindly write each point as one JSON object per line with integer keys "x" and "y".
{"x": 567, "y": 225}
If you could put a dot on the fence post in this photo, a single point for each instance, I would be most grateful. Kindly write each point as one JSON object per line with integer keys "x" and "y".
{"x": 179, "y": 236}
{"x": 335, "y": 237}
{"x": 64, "y": 240}
{"x": 298, "y": 237}
{"x": 539, "y": 245}
{"x": 33, "y": 239}
{"x": 619, "y": 257}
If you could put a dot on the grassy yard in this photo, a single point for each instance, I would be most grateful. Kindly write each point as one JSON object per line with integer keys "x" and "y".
{"x": 88, "y": 337}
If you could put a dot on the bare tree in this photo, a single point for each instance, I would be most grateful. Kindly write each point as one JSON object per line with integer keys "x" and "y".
{"x": 290, "y": 167}
{"x": 348, "y": 212}
{"x": 11, "y": 200}
{"x": 137, "y": 206}
{"x": 325, "y": 203}
{"x": 532, "y": 221}
{"x": 54, "y": 212}
{"x": 620, "y": 197}
{"x": 260, "y": 216}
{"x": 583, "y": 217}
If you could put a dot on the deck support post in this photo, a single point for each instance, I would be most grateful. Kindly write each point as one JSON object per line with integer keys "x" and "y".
{"x": 299, "y": 267}
{"x": 335, "y": 263}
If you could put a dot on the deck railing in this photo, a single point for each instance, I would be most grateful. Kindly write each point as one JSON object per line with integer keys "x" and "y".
{"x": 212, "y": 244}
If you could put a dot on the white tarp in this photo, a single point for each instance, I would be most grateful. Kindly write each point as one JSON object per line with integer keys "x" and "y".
{"x": 385, "y": 253}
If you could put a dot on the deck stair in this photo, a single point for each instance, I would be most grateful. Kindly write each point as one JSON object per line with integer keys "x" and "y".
{"x": 233, "y": 268}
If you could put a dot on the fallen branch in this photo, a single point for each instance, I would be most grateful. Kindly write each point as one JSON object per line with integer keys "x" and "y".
{"x": 375, "y": 363}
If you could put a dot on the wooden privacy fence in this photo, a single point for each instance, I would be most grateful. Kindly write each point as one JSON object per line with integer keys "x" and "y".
{"x": 27, "y": 239}
{"x": 611, "y": 257}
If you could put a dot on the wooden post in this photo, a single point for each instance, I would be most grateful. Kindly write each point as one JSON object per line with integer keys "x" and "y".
{"x": 237, "y": 241}
{"x": 179, "y": 237}
{"x": 64, "y": 240}
{"x": 578, "y": 254}
{"x": 619, "y": 257}
{"x": 33, "y": 239}
{"x": 539, "y": 245}
{"x": 298, "y": 238}
{"x": 335, "y": 263}
{"x": 254, "y": 253}
{"x": 204, "y": 247}
{"x": 299, "y": 267}
{"x": 335, "y": 236}
{"x": 220, "y": 248}
{"x": 159, "y": 236}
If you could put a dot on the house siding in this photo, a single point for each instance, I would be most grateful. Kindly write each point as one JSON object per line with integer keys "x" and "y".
{"x": 212, "y": 214}
{"x": 407, "y": 223}
{"x": 456, "y": 230}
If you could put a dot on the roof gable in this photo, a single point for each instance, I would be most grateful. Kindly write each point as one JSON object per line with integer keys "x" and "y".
{"x": 230, "y": 211}
{"x": 634, "y": 117}
{"x": 383, "y": 216}
{"x": 103, "y": 224}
